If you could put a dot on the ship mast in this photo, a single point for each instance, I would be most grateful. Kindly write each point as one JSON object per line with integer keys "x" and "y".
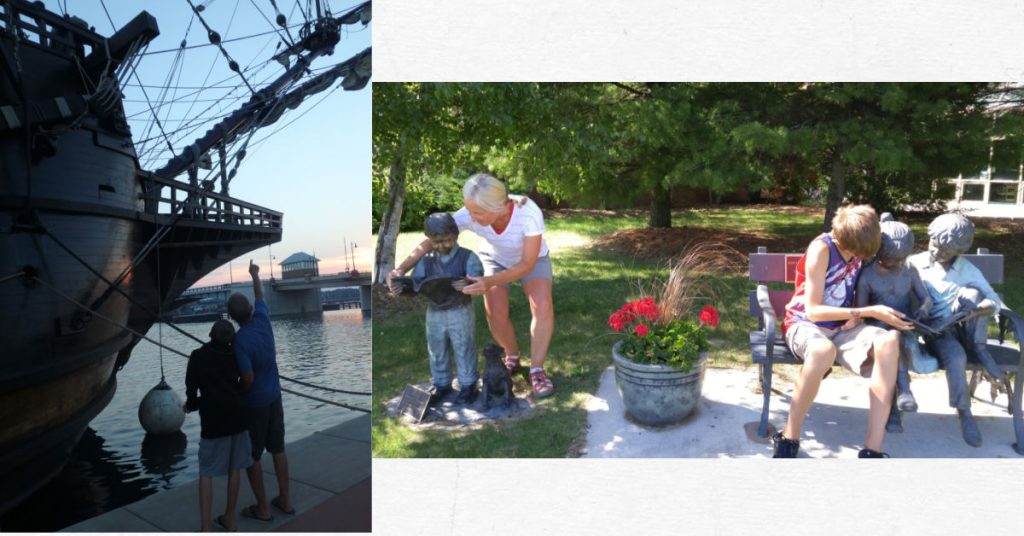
{"x": 266, "y": 106}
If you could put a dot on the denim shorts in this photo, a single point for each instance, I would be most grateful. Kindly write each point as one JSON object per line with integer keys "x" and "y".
{"x": 541, "y": 269}
{"x": 220, "y": 455}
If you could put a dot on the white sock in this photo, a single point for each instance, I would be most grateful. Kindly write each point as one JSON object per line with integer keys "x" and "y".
{"x": 536, "y": 369}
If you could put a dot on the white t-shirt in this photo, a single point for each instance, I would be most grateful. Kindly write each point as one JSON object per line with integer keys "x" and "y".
{"x": 507, "y": 248}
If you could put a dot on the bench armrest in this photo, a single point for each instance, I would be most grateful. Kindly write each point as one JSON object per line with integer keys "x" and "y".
{"x": 768, "y": 320}
{"x": 1011, "y": 321}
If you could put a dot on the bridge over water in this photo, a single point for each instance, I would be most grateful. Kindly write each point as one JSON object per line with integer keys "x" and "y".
{"x": 297, "y": 296}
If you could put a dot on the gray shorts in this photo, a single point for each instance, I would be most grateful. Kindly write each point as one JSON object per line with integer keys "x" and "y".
{"x": 220, "y": 455}
{"x": 541, "y": 269}
{"x": 853, "y": 346}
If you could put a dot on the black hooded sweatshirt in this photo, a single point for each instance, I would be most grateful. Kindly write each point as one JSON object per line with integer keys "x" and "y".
{"x": 213, "y": 371}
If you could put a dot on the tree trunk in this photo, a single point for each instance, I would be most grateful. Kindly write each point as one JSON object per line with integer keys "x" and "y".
{"x": 661, "y": 207}
{"x": 387, "y": 235}
{"x": 836, "y": 187}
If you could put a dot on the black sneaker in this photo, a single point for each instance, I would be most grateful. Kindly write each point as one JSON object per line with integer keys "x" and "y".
{"x": 466, "y": 395}
{"x": 868, "y": 453}
{"x": 785, "y": 448}
{"x": 437, "y": 393}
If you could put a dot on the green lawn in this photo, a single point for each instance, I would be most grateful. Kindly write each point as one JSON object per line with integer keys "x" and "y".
{"x": 590, "y": 283}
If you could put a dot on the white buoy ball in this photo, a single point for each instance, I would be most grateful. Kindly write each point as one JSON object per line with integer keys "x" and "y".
{"x": 160, "y": 411}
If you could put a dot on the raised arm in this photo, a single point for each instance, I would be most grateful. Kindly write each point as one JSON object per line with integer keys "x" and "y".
{"x": 257, "y": 286}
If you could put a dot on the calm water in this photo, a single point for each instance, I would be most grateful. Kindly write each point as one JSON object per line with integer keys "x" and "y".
{"x": 116, "y": 463}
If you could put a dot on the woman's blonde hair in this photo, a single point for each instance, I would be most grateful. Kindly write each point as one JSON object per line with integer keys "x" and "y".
{"x": 486, "y": 191}
{"x": 856, "y": 229}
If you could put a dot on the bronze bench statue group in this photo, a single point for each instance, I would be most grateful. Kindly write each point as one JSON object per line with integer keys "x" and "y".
{"x": 884, "y": 318}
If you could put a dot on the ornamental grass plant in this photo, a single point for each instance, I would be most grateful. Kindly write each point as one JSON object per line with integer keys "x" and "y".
{"x": 668, "y": 330}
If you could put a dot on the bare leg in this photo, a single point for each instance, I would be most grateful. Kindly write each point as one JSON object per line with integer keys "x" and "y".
{"x": 255, "y": 474}
{"x": 281, "y": 470}
{"x": 496, "y": 304}
{"x": 234, "y": 480}
{"x": 821, "y": 354}
{"x": 205, "y": 502}
{"x": 538, "y": 292}
{"x": 886, "y": 351}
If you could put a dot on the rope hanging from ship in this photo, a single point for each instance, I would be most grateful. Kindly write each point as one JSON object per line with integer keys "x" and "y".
{"x": 255, "y": 115}
{"x": 152, "y": 313}
{"x": 259, "y": 115}
{"x": 35, "y": 279}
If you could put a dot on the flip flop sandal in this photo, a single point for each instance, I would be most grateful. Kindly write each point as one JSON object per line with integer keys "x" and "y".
{"x": 511, "y": 363}
{"x": 276, "y": 503}
{"x": 252, "y": 512}
{"x": 220, "y": 523}
{"x": 542, "y": 386}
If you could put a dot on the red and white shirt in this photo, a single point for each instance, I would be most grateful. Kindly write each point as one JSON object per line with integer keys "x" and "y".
{"x": 506, "y": 247}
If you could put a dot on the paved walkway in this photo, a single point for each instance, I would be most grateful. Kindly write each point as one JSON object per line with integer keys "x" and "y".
{"x": 327, "y": 468}
{"x": 725, "y": 423}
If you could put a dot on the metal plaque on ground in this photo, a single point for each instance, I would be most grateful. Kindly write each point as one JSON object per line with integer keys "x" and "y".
{"x": 414, "y": 402}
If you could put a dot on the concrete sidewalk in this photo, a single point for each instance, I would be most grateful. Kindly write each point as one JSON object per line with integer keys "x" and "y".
{"x": 323, "y": 467}
{"x": 725, "y": 423}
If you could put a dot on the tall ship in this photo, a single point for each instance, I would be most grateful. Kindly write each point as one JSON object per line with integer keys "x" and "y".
{"x": 92, "y": 246}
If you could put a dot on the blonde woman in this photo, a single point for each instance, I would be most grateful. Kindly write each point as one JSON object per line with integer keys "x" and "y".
{"x": 513, "y": 228}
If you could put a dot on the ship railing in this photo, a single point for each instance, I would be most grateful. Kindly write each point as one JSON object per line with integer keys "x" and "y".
{"x": 204, "y": 290}
{"x": 47, "y": 29}
{"x": 168, "y": 197}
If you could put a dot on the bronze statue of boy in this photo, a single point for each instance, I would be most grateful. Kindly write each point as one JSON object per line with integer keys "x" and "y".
{"x": 889, "y": 280}
{"x": 440, "y": 276}
{"x": 957, "y": 290}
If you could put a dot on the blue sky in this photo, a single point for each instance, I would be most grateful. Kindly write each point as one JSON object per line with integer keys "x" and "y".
{"x": 315, "y": 170}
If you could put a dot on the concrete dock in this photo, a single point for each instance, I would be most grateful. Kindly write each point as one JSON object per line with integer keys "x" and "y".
{"x": 330, "y": 487}
{"x": 725, "y": 422}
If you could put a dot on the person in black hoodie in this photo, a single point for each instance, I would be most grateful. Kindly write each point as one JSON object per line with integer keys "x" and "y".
{"x": 212, "y": 386}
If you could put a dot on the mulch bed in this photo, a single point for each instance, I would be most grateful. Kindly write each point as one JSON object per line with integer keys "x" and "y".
{"x": 664, "y": 244}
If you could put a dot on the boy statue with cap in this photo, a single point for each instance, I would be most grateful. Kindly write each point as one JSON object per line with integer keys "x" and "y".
{"x": 889, "y": 280}
{"x": 957, "y": 289}
{"x": 440, "y": 276}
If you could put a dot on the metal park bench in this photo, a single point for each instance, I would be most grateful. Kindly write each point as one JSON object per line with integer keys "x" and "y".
{"x": 769, "y": 307}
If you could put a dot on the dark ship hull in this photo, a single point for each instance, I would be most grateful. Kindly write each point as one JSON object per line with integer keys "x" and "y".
{"x": 91, "y": 246}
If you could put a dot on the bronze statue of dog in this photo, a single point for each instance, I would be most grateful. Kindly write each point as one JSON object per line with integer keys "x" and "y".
{"x": 497, "y": 382}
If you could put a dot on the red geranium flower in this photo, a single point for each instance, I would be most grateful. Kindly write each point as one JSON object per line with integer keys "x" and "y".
{"x": 641, "y": 330}
{"x": 709, "y": 316}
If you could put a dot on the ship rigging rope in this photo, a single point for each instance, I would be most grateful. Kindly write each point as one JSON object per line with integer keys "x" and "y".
{"x": 168, "y": 348}
{"x": 215, "y": 39}
{"x": 12, "y": 276}
{"x": 149, "y": 312}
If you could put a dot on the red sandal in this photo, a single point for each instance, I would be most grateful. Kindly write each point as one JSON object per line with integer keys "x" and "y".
{"x": 542, "y": 386}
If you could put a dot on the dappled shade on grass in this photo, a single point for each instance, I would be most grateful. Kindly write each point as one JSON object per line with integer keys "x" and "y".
{"x": 590, "y": 283}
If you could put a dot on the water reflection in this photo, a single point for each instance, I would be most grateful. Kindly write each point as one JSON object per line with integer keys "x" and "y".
{"x": 162, "y": 455}
{"x": 117, "y": 463}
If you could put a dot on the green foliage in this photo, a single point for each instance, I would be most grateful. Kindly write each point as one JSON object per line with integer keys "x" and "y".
{"x": 422, "y": 196}
{"x": 677, "y": 344}
{"x": 626, "y": 145}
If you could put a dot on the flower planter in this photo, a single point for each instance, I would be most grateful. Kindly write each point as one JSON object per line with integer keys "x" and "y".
{"x": 657, "y": 395}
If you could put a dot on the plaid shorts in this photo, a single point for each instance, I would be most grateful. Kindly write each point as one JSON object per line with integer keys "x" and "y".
{"x": 853, "y": 346}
